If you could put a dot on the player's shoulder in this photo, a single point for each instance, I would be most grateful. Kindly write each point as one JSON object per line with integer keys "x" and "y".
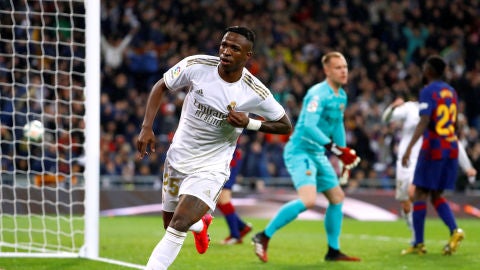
{"x": 410, "y": 108}
{"x": 438, "y": 89}
{"x": 201, "y": 60}
{"x": 410, "y": 105}
{"x": 319, "y": 90}
{"x": 253, "y": 83}
{"x": 315, "y": 89}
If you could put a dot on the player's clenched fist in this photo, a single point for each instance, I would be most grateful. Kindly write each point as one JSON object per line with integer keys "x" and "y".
{"x": 345, "y": 154}
{"x": 234, "y": 118}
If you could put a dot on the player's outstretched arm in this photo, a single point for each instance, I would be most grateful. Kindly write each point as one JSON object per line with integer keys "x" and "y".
{"x": 146, "y": 138}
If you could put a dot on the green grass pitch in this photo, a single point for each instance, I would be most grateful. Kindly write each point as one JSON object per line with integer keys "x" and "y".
{"x": 299, "y": 245}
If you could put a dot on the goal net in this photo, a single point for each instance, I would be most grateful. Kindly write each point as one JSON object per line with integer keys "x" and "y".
{"x": 44, "y": 76}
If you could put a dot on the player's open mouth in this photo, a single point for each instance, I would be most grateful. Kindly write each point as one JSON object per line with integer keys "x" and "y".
{"x": 225, "y": 61}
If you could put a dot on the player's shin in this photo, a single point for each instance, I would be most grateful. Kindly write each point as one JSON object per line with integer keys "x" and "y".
{"x": 166, "y": 250}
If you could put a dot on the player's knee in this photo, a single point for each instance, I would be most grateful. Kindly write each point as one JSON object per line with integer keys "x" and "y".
{"x": 180, "y": 223}
{"x": 167, "y": 217}
{"x": 309, "y": 203}
{"x": 336, "y": 197}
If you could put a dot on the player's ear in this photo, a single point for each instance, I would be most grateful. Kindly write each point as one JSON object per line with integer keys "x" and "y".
{"x": 249, "y": 53}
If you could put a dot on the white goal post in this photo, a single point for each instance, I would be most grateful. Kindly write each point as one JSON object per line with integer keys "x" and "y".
{"x": 50, "y": 71}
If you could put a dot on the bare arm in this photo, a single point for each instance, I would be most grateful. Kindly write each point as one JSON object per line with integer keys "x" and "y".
{"x": 146, "y": 136}
{"x": 281, "y": 126}
{"x": 464, "y": 161}
{"x": 421, "y": 127}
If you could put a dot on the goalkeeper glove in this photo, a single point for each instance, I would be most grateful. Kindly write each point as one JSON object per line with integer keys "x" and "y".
{"x": 344, "y": 174}
{"x": 345, "y": 154}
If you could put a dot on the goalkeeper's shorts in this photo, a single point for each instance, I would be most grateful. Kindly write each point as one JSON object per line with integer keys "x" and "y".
{"x": 308, "y": 169}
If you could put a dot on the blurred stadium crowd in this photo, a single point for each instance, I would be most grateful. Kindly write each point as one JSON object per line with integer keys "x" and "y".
{"x": 385, "y": 43}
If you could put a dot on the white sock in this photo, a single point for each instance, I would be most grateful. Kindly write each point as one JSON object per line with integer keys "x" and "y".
{"x": 197, "y": 226}
{"x": 409, "y": 220}
{"x": 166, "y": 250}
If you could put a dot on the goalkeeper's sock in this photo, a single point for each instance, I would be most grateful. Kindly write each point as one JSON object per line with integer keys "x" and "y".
{"x": 419, "y": 214}
{"x": 232, "y": 219}
{"x": 333, "y": 224}
{"x": 445, "y": 213}
{"x": 285, "y": 215}
{"x": 166, "y": 250}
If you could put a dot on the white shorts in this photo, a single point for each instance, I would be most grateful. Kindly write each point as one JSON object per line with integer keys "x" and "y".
{"x": 404, "y": 178}
{"x": 204, "y": 185}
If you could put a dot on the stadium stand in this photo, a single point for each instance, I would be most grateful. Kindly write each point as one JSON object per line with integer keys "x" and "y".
{"x": 384, "y": 42}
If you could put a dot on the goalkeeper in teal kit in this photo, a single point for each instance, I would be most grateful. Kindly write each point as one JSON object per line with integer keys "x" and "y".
{"x": 319, "y": 129}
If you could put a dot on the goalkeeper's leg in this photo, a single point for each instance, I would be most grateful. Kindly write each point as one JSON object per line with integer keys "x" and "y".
{"x": 287, "y": 213}
{"x": 333, "y": 225}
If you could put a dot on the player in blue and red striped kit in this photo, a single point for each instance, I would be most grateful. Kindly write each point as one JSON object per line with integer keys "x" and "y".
{"x": 238, "y": 228}
{"x": 437, "y": 164}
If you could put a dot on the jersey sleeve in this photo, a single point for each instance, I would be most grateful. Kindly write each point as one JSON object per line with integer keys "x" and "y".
{"x": 177, "y": 76}
{"x": 400, "y": 112}
{"x": 312, "y": 112}
{"x": 426, "y": 102}
{"x": 339, "y": 135}
{"x": 270, "y": 109}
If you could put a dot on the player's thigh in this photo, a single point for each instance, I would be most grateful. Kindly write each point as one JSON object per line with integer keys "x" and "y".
{"x": 326, "y": 178}
{"x": 436, "y": 174}
{"x": 204, "y": 185}
{"x": 225, "y": 196}
{"x": 301, "y": 168}
{"x": 172, "y": 179}
{"x": 403, "y": 180}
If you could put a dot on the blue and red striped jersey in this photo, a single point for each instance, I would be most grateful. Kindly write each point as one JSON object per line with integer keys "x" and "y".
{"x": 438, "y": 100}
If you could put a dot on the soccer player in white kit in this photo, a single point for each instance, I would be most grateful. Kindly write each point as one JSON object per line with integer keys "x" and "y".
{"x": 407, "y": 112}
{"x": 221, "y": 93}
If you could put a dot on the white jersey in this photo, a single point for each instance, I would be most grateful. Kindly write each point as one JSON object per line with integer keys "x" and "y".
{"x": 204, "y": 141}
{"x": 408, "y": 114}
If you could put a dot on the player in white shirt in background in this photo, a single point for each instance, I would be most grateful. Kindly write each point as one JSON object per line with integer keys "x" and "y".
{"x": 407, "y": 113}
{"x": 221, "y": 93}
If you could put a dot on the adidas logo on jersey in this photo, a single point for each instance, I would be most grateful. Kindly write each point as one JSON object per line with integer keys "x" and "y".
{"x": 199, "y": 92}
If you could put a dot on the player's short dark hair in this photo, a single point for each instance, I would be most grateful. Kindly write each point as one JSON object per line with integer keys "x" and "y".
{"x": 242, "y": 30}
{"x": 437, "y": 64}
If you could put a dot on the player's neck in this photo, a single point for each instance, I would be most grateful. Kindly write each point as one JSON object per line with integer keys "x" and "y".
{"x": 230, "y": 76}
{"x": 335, "y": 86}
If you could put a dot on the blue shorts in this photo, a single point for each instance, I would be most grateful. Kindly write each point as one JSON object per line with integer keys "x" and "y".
{"x": 233, "y": 177}
{"x": 235, "y": 166}
{"x": 309, "y": 169}
{"x": 435, "y": 174}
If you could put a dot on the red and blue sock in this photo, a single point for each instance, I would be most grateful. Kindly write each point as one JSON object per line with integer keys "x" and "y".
{"x": 419, "y": 214}
{"x": 445, "y": 213}
{"x": 233, "y": 220}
